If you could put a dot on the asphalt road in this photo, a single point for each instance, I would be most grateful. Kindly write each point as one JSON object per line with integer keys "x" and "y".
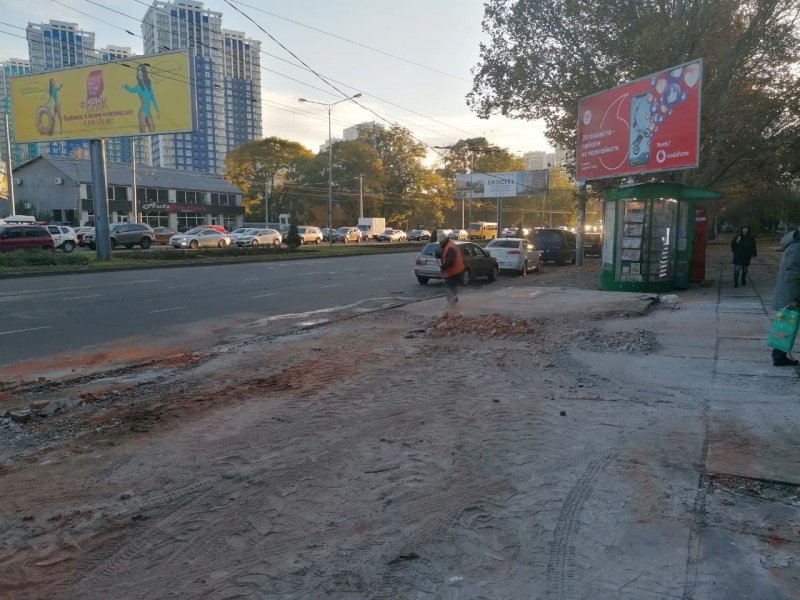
{"x": 53, "y": 314}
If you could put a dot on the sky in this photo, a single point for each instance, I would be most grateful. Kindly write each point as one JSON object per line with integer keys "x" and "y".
{"x": 429, "y": 98}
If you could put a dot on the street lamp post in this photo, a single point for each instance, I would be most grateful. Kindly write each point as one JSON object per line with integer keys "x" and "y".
{"x": 329, "y": 106}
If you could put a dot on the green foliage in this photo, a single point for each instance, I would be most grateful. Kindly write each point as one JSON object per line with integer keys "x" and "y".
{"x": 40, "y": 258}
{"x": 272, "y": 165}
{"x": 542, "y": 56}
{"x": 293, "y": 237}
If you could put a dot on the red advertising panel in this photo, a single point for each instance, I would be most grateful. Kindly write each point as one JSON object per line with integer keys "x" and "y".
{"x": 650, "y": 124}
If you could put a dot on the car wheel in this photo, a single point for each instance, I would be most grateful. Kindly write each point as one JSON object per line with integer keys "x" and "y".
{"x": 68, "y": 246}
{"x": 221, "y": 244}
{"x": 539, "y": 264}
{"x": 276, "y": 243}
{"x": 422, "y": 280}
{"x": 254, "y": 243}
{"x": 344, "y": 241}
{"x": 193, "y": 244}
{"x": 560, "y": 261}
{"x": 465, "y": 278}
{"x": 145, "y": 243}
{"x": 493, "y": 273}
{"x": 113, "y": 243}
{"x": 317, "y": 241}
{"x": 524, "y": 270}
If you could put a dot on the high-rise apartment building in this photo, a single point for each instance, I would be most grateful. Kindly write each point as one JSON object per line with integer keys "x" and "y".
{"x": 114, "y": 53}
{"x": 227, "y": 84}
{"x": 242, "y": 88}
{"x": 535, "y": 161}
{"x": 59, "y": 44}
{"x": 19, "y": 152}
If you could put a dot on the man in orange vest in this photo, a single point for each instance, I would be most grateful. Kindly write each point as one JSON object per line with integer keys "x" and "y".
{"x": 452, "y": 265}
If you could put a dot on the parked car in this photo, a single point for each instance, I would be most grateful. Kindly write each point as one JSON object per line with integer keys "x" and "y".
{"x": 238, "y": 233}
{"x": 25, "y": 237}
{"x": 81, "y": 233}
{"x": 477, "y": 263}
{"x": 219, "y": 228}
{"x": 126, "y": 234}
{"x": 419, "y": 235}
{"x": 309, "y": 235}
{"x": 327, "y": 234}
{"x": 392, "y": 235}
{"x": 593, "y": 244}
{"x": 556, "y": 245}
{"x": 64, "y": 237}
{"x": 163, "y": 234}
{"x": 200, "y": 237}
{"x": 347, "y": 234}
{"x": 458, "y": 234}
{"x": 259, "y": 237}
{"x": 515, "y": 254}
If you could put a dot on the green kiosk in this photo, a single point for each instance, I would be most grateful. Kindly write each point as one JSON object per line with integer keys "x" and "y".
{"x": 649, "y": 233}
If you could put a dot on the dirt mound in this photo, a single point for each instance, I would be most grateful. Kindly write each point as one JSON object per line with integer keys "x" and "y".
{"x": 485, "y": 325}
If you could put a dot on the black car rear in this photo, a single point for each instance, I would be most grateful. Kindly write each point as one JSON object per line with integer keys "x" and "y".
{"x": 556, "y": 245}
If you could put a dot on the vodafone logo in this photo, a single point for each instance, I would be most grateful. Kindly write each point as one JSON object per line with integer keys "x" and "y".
{"x": 661, "y": 156}
{"x": 587, "y": 117}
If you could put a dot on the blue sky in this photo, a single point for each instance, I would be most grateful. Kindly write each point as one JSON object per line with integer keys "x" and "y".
{"x": 441, "y": 34}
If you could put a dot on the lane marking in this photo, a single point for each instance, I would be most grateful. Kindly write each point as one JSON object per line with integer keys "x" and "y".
{"x": 253, "y": 279}
{"x": 24, "y": 330}
{"x": 262, "y": 295}
{"x": 322, "y": 287}
{"x": 166, "y": 309}
{"x": 181, "y": 287}
{"x": 82, "y": 297}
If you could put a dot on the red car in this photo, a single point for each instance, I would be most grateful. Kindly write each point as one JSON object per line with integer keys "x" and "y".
{"x": 19, "y": 237}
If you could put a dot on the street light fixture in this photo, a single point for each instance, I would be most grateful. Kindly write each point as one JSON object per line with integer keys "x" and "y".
{"x": 329, "y": 106}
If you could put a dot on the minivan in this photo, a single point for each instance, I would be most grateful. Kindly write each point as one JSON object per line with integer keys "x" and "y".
{"x": 19, "y": 237}
{"x": 556, "y": 245}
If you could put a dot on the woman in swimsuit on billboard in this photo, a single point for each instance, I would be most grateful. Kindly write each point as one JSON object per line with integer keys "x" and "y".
{"x": 144, "y": 90}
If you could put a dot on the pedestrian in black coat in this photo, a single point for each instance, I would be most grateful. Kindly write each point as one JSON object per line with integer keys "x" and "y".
{"x": 743, "y": 247}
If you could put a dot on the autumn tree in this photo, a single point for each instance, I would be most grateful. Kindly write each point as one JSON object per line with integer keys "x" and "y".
{"x": 351, "y": 160}
{"x": 412, "y": 193}
{"x": 272, "y": 165}
{"x": 543, "y": 55}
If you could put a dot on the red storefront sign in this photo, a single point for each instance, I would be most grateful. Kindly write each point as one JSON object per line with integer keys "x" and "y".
{"x": 650, "y": 124}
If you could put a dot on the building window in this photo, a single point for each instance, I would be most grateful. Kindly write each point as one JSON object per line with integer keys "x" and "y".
{"x": 187, "y": 220}
{"x": 156, "y": 219}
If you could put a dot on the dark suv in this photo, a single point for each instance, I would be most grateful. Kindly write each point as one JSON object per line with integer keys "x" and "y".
{"x": 128, "y": 235}
{"x": 556, "y": 245}
{"x": 17, "y": 237}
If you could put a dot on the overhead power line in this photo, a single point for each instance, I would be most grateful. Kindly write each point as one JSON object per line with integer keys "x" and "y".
{"x": 353, "y": 42}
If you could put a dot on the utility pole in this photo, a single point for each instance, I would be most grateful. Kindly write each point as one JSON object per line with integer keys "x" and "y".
{"x": 9, "y": 170}
{"x": 361, "y": 196}
{"x": 267, "y": 189}
{"x": 134, "y": 201}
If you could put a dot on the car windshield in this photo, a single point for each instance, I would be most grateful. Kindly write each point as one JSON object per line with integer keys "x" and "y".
{"x": 503, "y": 244}
{"x": 197, "y": 230}
{"x": 343, "y": 229}
{"x": 388, "y": 231}
{"x": 241, "y": 230}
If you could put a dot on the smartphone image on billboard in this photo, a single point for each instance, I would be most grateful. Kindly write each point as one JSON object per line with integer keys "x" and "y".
{"x": 640, "y": 132}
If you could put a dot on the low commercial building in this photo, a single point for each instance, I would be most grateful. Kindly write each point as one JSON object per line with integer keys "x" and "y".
{"x": 60, "y": 189}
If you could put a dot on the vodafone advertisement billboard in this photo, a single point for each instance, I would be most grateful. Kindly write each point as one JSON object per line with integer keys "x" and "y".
{"x": 650, "y": 124}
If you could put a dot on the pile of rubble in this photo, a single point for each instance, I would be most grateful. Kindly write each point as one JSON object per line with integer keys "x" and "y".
{"x": 484, "y": 325}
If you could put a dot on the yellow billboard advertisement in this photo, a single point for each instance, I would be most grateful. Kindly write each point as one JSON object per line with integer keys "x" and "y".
{"x": 145, "y": 95}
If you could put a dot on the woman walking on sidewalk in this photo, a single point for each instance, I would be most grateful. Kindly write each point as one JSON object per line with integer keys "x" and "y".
{"x": 743, "y": 247}
{"x": 787, "y": 287}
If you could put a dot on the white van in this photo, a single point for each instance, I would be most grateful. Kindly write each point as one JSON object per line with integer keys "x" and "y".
{"x": 18, "y": 220}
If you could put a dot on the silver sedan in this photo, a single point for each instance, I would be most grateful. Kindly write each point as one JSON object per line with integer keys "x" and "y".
{"x": 200, "y": 238}
{"x": 259, "y": 237}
